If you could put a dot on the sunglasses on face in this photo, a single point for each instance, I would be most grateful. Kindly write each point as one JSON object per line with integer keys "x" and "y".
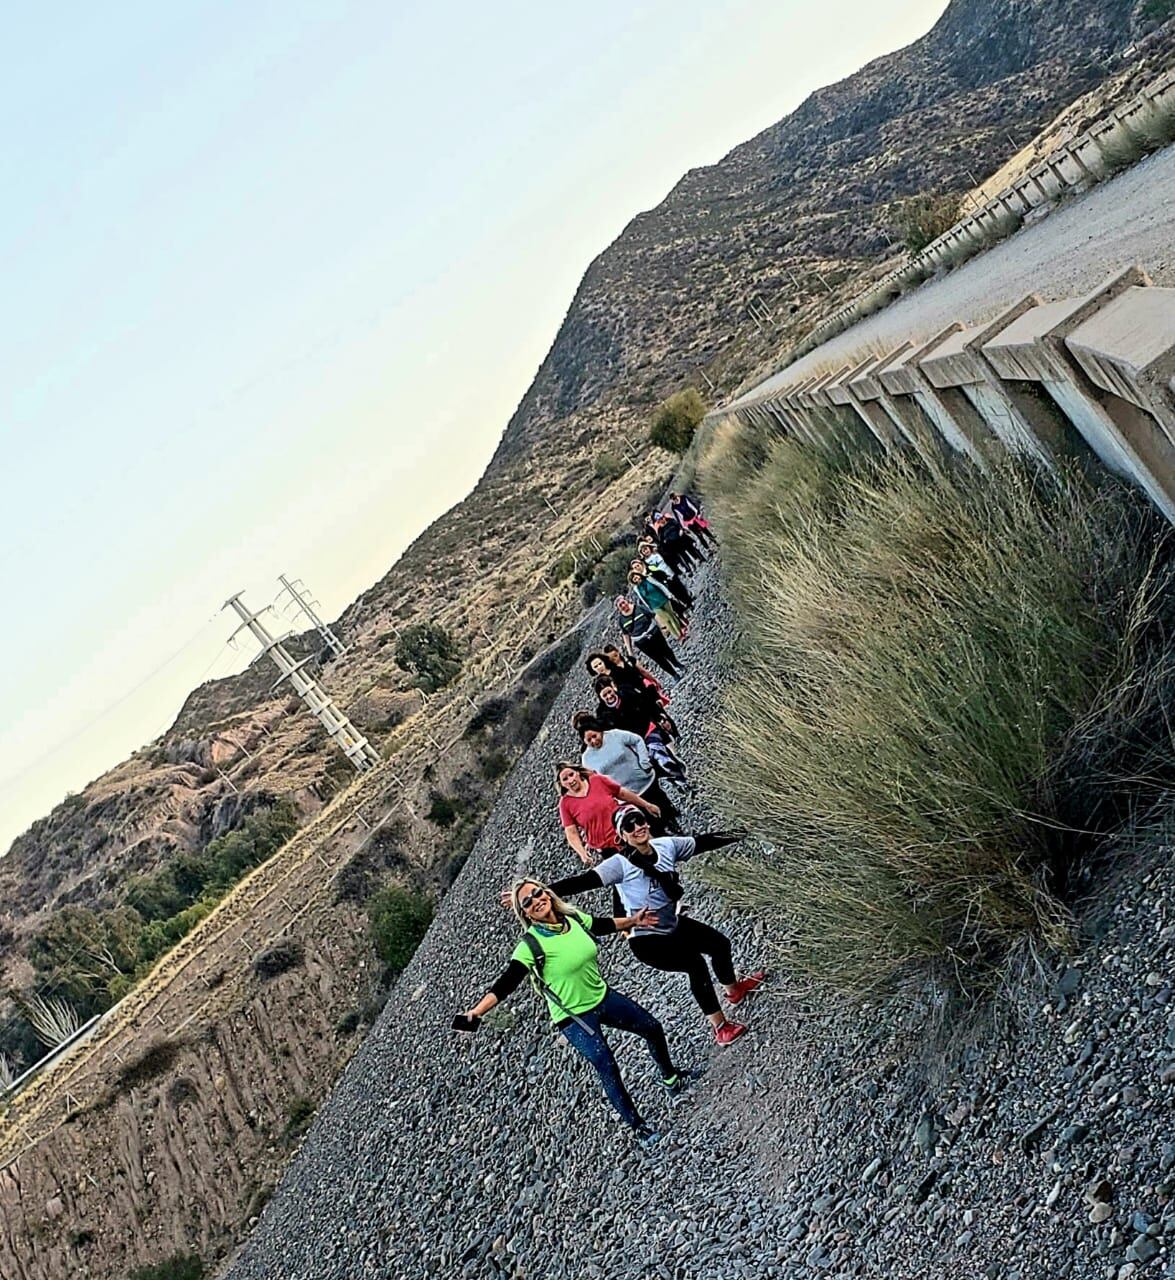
{"x": 633, "y": 823}
{"x": 531, "y": 898}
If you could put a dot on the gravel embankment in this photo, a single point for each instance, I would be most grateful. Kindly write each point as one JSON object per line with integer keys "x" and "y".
{"x": 819, "y": 1145}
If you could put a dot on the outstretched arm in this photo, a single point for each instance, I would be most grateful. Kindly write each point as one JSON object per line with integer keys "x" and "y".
{"x": 601, "y": 926}
{"x": 717, "y": 840}
{"x": 569, "y": 887}
{"x": 506, "y": 982}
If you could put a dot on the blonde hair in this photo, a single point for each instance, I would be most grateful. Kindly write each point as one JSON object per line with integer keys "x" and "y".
{"x": 561, "y": 909}
{"x": 560, "y": 765}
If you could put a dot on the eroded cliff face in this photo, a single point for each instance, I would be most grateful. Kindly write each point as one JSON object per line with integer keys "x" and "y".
{"x": 182, "y": 1146}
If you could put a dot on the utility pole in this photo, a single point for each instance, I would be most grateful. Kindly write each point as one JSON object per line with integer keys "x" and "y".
{"x": 760, "y": 310}
{"x": 346, "y": 737}
{"x": 303, "y": 599}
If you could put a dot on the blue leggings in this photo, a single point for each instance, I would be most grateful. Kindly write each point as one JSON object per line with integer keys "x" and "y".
{"x": 616, "y": 1010}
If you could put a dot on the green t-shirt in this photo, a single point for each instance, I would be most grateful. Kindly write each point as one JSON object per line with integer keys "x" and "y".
{"x": 569, "y": 968}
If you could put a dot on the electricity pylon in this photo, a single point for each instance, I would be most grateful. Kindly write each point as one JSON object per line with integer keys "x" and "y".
{"x": 303, "y": 599}
{"x": 346, "y": 737}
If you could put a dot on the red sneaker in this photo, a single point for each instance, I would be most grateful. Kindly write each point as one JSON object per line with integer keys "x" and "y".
{"x": 728, "y": 1033}
{"x": 745, "y": 987}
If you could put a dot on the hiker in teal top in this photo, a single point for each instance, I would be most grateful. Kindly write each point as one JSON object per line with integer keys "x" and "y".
{"x": 659, "y": 602}
{"x": 558, "y": 949}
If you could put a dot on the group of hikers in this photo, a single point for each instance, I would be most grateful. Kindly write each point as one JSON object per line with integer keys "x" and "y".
{"x": 623, "y": 826}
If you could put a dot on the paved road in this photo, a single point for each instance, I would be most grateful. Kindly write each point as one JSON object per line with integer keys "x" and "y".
{"x": 1129, "y": 219}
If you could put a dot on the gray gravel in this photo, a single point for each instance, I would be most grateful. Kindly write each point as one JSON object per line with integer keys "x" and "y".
{"x": 820, "y": 1145}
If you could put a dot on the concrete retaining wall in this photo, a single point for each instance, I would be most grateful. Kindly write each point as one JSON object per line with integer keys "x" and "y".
{"x": 1104, "y": 148}
{"x": 1092, "y": 376}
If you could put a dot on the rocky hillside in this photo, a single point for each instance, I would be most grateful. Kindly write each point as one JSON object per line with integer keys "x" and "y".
{"x": 807, "y": 204}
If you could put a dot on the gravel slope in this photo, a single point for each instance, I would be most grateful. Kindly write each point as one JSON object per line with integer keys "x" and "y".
{"x": 818, "y": 1145}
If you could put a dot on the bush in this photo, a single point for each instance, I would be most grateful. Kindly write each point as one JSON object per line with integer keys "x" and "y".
{"x": 279, "y": 958}
{"x": 430, "y": 653}
{"x": 153, "y": 1062}
{"x": 180, "y": 1266}
{"x": 922, "y": 219}
{"x": 398, "y": 919}
{"x": 611, "y": 574}
{"x": 348, "y": 1024}
{"x": 494, "y": 764}
{"x": 676, "y": 421}
{"x": 608, "y": 466}
{"x": 945, "y": 691}
{"x": 443, "y": 810}
{"x": 298, "y": 1116}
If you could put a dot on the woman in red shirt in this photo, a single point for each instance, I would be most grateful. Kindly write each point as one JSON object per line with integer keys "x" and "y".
{"x": 587, "y": 802}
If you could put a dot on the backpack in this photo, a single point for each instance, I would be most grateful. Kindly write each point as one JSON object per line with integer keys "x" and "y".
{"x": 535, "y": 947}
{"x": 669, "y": 882}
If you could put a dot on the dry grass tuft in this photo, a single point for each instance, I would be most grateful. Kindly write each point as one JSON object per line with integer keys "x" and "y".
{"x": 942, "y": 690}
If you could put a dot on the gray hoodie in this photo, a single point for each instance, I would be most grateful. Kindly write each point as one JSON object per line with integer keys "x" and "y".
{"x": 623, "y": 757}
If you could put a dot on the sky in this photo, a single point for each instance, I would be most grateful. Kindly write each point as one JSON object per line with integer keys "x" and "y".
{"x": 275, "y": 275}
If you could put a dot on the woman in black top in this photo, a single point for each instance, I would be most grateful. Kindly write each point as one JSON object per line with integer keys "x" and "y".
{"x": 638, "y": 627}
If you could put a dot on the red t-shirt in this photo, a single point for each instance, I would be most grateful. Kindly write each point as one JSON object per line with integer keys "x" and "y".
{"x": 592, "y": 813}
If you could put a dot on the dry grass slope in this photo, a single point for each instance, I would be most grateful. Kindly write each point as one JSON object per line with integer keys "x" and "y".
{"x": 945, "y": 689}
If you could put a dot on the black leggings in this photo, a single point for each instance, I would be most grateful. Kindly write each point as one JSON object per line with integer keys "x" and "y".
{"x": 668, "y": 822}
{"x": 685, "y": 951}
{"x": 655, "y": 646}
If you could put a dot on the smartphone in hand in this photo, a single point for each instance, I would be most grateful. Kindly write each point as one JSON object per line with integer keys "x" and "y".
{"x": 463, "y": 1022}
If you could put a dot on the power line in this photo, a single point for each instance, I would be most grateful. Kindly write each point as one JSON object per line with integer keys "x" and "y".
{"x": 99, "y": 716}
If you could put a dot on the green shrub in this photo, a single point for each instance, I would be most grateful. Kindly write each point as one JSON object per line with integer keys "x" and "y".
{"x": 298, "y": 1116}
{"x": 443, "y": 810}
{"x": 608, "y": 465}
{"x": 154, "y": 1061}
{"x": 576, "y": 562}
{"x": 398, "y": 919}
{"x": 611, "y": 574}
{"x": 944, "y": 691}
{"x": 676, "y": 421}
{"x": 922, "y": 219}
{"x": 348, "y": 1024}
{"x": 430, "y": 653}
{"x": 495, "y": 764}
{"x": 180, "y": 1266}
{"x": 1158, "y": 10}
{"x": 282, "y": 956}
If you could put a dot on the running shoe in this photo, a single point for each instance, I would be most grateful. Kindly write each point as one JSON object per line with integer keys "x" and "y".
{"x": 728, "y": 1033}
{"x": 646, "y": 1137}
{"x": 680, "y": 1081}
{"x": 744, "y": 988}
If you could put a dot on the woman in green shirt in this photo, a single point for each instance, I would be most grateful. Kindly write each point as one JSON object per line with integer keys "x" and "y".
{"x": 558, "y": 949}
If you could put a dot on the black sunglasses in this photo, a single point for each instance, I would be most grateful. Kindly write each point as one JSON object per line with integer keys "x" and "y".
{"x": 531, "y": 898}
{"x": 630, "y": 822}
